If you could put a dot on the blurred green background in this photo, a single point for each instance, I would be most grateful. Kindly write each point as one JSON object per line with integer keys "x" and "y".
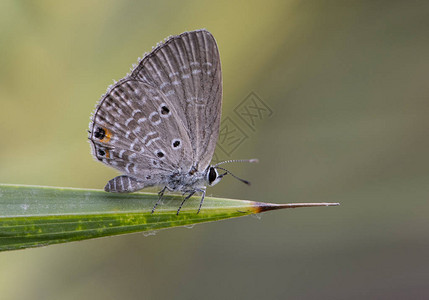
{"x": 348, "y": 84}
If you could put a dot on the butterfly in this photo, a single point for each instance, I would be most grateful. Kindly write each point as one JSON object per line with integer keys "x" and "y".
{"x": 159, "y": 124}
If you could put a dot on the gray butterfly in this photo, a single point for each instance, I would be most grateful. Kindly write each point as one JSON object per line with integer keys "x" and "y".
{"x": 159, "y": 125}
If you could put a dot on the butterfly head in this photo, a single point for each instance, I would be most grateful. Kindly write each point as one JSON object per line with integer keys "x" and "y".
{"x": 213, "y": 177}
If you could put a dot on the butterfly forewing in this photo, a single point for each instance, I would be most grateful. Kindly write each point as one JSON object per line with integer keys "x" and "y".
{"x": 186, "y": 69}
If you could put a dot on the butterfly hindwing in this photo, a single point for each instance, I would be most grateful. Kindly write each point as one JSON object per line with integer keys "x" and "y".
{"x": 136, "y": 130}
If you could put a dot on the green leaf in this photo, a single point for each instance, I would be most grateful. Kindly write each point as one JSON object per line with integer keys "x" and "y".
{"x": 34, "y": 216}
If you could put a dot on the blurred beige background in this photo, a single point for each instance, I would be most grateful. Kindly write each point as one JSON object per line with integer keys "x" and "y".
{"x": 347, "y": 82}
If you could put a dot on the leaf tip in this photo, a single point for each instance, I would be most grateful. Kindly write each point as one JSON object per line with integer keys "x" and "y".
{"x": 262, "y": 207}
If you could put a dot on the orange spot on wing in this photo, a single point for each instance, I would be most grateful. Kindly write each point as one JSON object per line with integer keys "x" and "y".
{"x": 107, "y": 136}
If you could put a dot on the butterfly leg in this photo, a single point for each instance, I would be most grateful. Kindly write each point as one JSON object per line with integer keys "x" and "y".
{"x": 202, "y": 199}
{"x": 191, "y": 193}
{"x": 160, "y": 195}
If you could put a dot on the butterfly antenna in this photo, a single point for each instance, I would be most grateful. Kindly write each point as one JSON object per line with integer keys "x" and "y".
{"x": 236, "y": 177}
{"x": 253, "y": 160}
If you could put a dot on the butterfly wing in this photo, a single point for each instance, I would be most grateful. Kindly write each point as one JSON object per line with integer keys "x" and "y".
{"x": 186, "y": 69}
{"x": 136, "y": 130}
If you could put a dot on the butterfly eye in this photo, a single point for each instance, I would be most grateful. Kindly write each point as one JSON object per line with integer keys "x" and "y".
{"x": 212, "y": 175}
{"x": 160, "y": 154}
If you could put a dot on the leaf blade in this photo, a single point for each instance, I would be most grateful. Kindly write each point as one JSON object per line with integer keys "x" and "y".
{"x": 34, "y": 216}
